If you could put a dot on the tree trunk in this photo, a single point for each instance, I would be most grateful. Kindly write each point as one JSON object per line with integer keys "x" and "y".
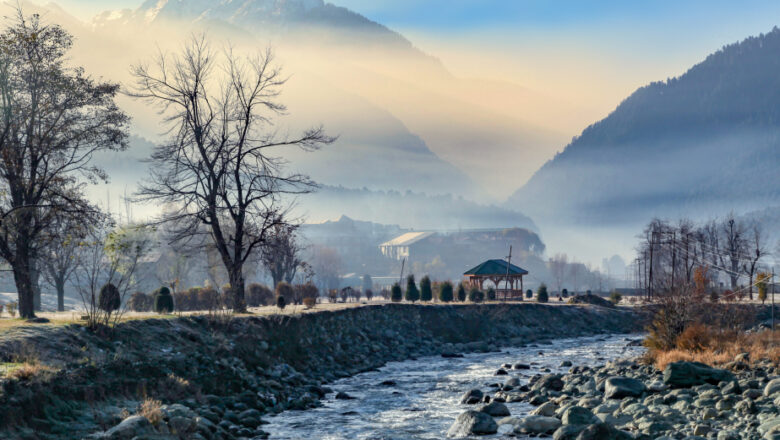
{"x": 237, "y": 289}
{"x": 35, "y": 277}
{"x": 60, "y": 285}
{"x": 24, "y": 287}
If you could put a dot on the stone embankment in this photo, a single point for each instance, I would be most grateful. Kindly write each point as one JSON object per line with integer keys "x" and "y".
{"x": 626, "y": 400}
{"x": 217, "y": 381}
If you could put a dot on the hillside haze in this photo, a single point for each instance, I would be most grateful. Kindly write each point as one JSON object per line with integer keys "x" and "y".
{"x": 699, "y": 144}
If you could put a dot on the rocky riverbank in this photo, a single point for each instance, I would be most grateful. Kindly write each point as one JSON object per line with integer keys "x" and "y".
{"x": 627, "y": 400}
{"x": 216, "y": 381}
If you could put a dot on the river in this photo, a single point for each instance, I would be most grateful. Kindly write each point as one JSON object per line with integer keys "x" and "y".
{"x": 424, "y": 401}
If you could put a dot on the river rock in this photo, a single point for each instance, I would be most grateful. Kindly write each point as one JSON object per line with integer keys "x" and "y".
{"x": 685, "y": 374}
{"x": 577, "y": 415}
{"x": 549, "y": 382}
{"x": 343, "y": 396}
{"x": 772, "y": 387}
{"x": 603, "y": 431}
{"x": 495, "y": 409}
{"x": 547, "y": 409}
{"x": 472, "y": 423}
{"x": 537, "y": 425}
{"x": 472, "y": 397}
{"x": 129, "y": 428}
{"x": 620, "y": 387}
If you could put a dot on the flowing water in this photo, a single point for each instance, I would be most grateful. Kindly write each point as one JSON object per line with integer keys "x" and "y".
{"x": 424, "y": 401}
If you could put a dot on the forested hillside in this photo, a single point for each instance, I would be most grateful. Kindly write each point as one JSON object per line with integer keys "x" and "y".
{"x": 690, "y": 145}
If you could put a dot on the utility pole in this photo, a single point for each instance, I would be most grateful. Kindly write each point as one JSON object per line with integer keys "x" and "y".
{"x": 401, "y": 280}
{"x": 674, "y": 257}
{"x": 650, "y": 275}
{"x": 506, "y": 280}
{"x": 772, "y": 332}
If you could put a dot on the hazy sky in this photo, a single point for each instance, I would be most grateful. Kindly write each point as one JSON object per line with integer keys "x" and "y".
{"x": 617, "y": 45}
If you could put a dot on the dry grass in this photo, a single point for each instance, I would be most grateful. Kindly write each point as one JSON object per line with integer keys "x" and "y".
{"x": 150, "y": 409}
{"x": 25, "y": 371}
{"x": 718, "y": 348}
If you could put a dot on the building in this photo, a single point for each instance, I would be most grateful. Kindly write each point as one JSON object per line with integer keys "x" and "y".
{"x": 405, "y": 245}
{"x": 497, "y": 271}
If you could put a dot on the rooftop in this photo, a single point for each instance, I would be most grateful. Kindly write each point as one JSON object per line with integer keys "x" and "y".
{"x": 407, "y": 239}
{"x": 496, "y": 267}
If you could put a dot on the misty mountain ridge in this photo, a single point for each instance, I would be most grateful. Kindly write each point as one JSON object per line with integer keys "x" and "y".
{"x": 702, "y": 143}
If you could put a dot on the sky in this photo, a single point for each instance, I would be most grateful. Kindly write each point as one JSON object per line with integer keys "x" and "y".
{"x": 617, "y": 45}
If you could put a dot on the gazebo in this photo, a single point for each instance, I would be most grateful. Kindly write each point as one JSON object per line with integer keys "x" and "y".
{"x": 497, "y": 271}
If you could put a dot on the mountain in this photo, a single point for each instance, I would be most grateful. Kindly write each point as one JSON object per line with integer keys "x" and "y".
{"x": 367, "y": 83}
{"x": 703, "y": 143}
{"x": 409, "y": 210}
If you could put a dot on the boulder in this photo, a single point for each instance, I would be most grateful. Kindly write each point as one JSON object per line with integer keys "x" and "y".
{"x": 685, "y": 374}
{"x": 472, "y": 423}
{"x": 471, "y": 397}
{"x": 550, "y": 382}
{"x": 537, "y": 425}
{"x": 343, "y": 396}
{"x": 547, "y": 409}
{"x": 772, "y": 387}
{"x": 603, "y": 431}
{"x": 129, "y": 428}
{"x": 495, "y": 409}
{"x": 620, "y": 387}
{"x": 577, "y": 415}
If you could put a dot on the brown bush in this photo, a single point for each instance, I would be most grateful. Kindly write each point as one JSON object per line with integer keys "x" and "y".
{"x": 259, "y": 295}
{"x": 140, "y": 302}
{"x": 286, "y": 291}
{"x": 208, "y": 298}
{"x": 150, "y": 409}
{"x": 309, "y": 302}
{"x": 696, "y": 337}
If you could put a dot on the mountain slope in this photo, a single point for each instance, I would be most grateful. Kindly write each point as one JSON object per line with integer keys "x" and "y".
{"x": 701, "y": 143}
{"x": 337, "y": 48}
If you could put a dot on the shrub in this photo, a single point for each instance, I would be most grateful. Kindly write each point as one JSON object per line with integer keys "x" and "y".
{"x": 309, "y": 302}
{"x": 426, "y": 292}
{"x": 412, "y": 294}
{"x": 109, "y": 298}
{"x": 333, "y": 295}
{"x": 356, "y": 294}
{"x": 541, "y": 294}
{"x": 762, "y": 284}
{"x": 345, "y": 294}
{"x": 163, "y": 301}
{"x": 696, "y": 337}
{"x": 369, "y": 294}
{"x": 11, "y": 307}
{"x": 476, "y": 295}
{"x": 258, "y": 295}
{"x": 565, "y": 293}
{"x": 286, "y": 291}
{"x": 152, "y": 411}
{"x": 615, "y": 297}
{"x": 491, "y": 294}
{"x": 280, "y": 301}
{"x": 385, "y": 294}
{"x": 445, "y": 292}
{"x": 529, "y": 293}
{"x": 208, "y": 299}
{"x": 140, "y": 302}
{"x": 309, "y": 290}
{"x": 186, "y": 300}
{"x": 396, "y": 295}
{"x": 461, "y": 292}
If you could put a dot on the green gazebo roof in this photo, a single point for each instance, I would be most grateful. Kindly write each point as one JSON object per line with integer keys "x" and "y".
{"x": 496, "y": 267}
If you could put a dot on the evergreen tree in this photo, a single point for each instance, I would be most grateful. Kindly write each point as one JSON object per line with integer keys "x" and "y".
{"x": 412, "y": 294}
{"x": 445, "y": 292}
{"x": 396, "y": 295}
{"x": 541, "y": 294}
{"x": 426, "y": 292}
{"x": 461, "y": 292}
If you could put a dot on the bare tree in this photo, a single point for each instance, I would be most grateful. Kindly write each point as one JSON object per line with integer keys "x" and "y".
{"x": 734, "y": 247}
{"x": 109, "y": 255}
{"x": 281, "y": 254}
{"x": 53, "y": 119}
{"x": 217, "y": 167}
{"x": 60, "y": 252}
{"x": 754, "y": 244}
{"x": 558, "y": 267}
{"x": 326, "y": 265}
